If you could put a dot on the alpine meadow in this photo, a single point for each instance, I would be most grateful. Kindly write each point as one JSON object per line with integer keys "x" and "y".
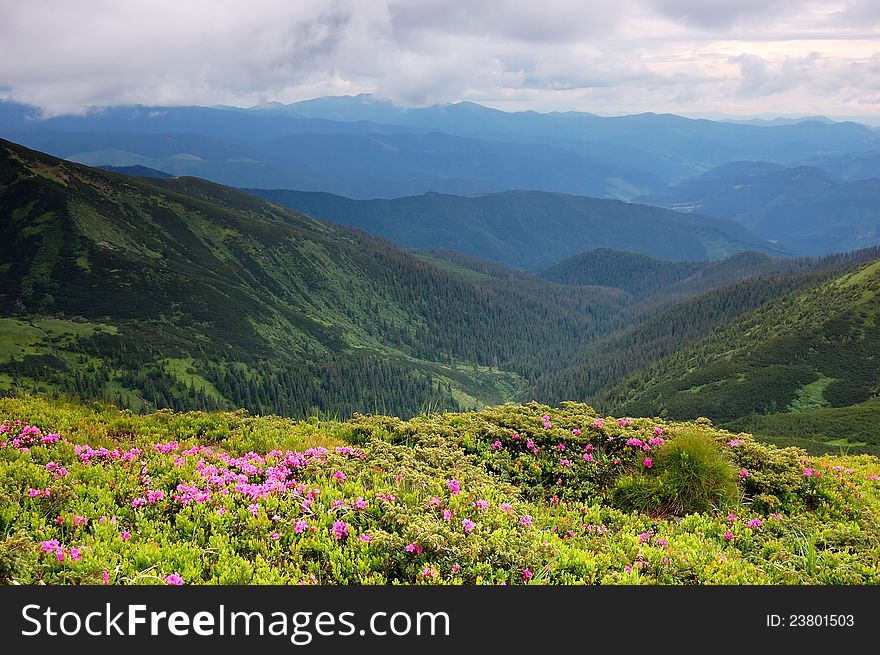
{"x": 562, "y": 306}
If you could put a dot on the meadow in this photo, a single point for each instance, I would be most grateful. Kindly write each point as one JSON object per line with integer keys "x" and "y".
{"x": 511, "y": 494}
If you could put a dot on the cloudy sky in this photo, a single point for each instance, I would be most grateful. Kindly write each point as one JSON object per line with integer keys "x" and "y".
{"x": 732, "y": 57}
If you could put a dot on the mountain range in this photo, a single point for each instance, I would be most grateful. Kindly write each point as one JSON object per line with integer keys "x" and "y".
{"x": 806, "y": 185}
{"x": 155, "y": 291}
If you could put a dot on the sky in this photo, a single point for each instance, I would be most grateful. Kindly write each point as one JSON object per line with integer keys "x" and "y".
{"x": 696, "y": 58}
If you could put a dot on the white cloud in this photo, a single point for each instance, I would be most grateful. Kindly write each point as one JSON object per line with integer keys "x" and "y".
{"x": 685, "y": 56}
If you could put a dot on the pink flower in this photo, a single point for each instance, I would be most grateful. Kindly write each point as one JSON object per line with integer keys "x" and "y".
{"x": 624, "y": 421}
{"x": 496, "y": 444}
{"x": 221, "y": 510}
{"x": 173, "y": 579}
{"x": 254, "y": 509}
{"x": 635, "y": 443}
{"x": 49, "y": 546}
{"x": 560, "y": 446}
{"x": 658, "y": 431}
{"x": 454, "y": 486}
{"x": 339, "y": 475}
{"x": 588, "y": 457}
{"x": 514, "y": 436}
{"x": 447, "y": 515}
{"x": 598, "y": 423}
{"x": 648, "y": 462}
{"x": 755, "y": 523}
{"x": 744, "y": 474}
{"x": 75, "y": 554}
{"x": 360, "y": 503}
{"x": 733, "y": 443}
{"x": 59, "y": 554}
{"x": 366, "y": 538}
{"x": 728, "y": 536}
{"x": 481, "y": 504}
{"x": 300, "y": 526}
{"x": 526, "y": 575}
{"x": 105, "y": 578}
{"x": 467, "y": 524}
{"x": 456, "y": 568}
{"x": 429, "y": 571}
{"x": 125, "y": 536}
{"x": 576, "y": 432}
{"x": 413, "y": 548}
{"x": 340, "y": 530}
{"x": 525, "y": 520}
{"x": 810, "y": 472}
{"x": 732, "y": 517}
{"x": 79, "y": 520}
{"x": 505, "y": 507}
{"x": 564, "y": 462}
{"x": 274, "y": 536}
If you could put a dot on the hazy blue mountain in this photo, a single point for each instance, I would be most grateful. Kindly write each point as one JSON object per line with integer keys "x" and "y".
{"x": 357, "y": 165}
{"x": 373, "y": 148}
{"x": 851, "y": 166}
{"x": 806, "y": 210}
{"x": 528, "y": 230}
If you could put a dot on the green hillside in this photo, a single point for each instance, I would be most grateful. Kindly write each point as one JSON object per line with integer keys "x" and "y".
{"x": 182, "y": 293}
{"x": 810, "y": 349}
{"x": 679, "y": 313}
{"x": 644, "y": 276}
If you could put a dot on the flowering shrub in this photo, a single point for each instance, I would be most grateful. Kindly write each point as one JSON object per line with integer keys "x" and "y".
{"x": 225, "y": 498}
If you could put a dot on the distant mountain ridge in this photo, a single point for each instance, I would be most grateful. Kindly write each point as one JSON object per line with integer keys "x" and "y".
{"x": 804, "y": 209}
{"x": 457, "y": 148}
{"x": 528, "y": 230}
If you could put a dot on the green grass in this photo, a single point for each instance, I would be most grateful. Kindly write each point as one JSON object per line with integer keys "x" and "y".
{"x": 182, "y": 369}
{"x": 810, "y": 396}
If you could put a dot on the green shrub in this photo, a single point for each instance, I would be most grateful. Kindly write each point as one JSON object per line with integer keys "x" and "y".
{"x": 695, "y": 475}
{"x": 689, "y": 474}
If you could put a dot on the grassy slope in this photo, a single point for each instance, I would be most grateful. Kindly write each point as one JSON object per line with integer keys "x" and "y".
{"x": 811, "y": 348}
{"x": 800, "y": 520}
